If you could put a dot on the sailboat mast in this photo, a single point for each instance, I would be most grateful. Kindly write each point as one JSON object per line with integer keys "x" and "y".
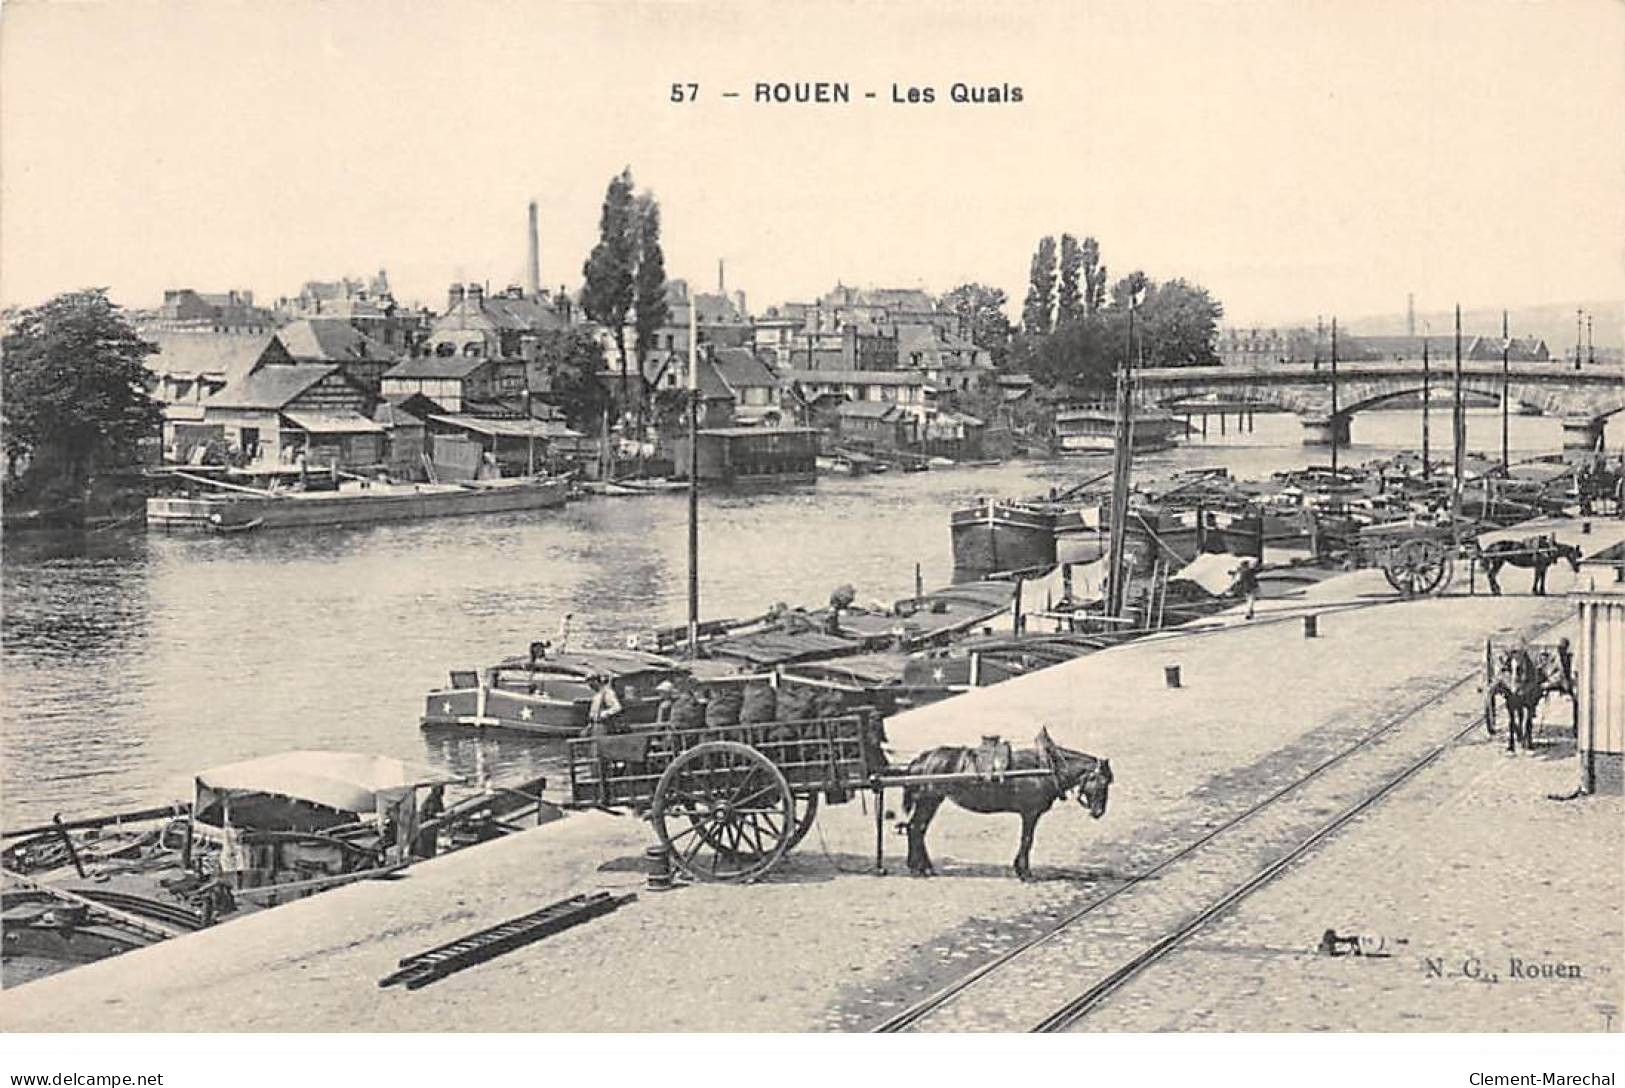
{"x": 1122, "y": 473}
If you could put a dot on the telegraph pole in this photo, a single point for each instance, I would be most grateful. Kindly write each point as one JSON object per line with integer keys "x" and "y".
{"x": 1458, "y": 421}
{"x": 1427, "y": 404}
{"x": 1334, "y": 396}
{"x": 1506, "y": 384}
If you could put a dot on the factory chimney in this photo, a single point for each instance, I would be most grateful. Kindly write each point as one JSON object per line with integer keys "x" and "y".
{"x": 533, "y": 270}
{"x": 722, "y": 287}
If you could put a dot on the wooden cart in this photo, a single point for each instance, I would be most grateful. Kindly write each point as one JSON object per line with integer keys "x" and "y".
{"x": 1416, "y": 558}
{"x": 729, "y": 802}
{"x": 1554, "y": 660}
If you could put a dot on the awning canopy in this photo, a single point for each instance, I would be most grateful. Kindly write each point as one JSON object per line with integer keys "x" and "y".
{"x": 508, "y": 428}
{"x": 350, "y": 781}
{"x": 333, "y": 422}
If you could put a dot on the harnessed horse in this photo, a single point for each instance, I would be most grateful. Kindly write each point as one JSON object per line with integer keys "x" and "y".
{"x": 1031, "y": 796}
{"x": 1537, "y": 552}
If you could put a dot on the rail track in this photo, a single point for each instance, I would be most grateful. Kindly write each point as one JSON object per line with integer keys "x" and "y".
{"x": 1110, "y": 941}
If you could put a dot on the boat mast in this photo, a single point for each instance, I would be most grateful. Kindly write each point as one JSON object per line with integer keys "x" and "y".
{"x": 693, "y": 486}
{"x": 1122, "y": 470}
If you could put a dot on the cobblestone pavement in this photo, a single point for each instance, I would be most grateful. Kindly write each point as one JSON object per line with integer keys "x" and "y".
{"x": 1201, "y": 871}
{"x": 1497, "y": 908}
{"x": 820, "y": 945}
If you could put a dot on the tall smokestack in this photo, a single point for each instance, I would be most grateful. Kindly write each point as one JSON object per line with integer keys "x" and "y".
{"x": 533, "y": 270}
{"x": 722, "y": 287}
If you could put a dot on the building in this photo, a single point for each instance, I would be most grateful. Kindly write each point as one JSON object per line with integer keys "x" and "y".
{"x": 906, "y": 389}
{"x": 756, "y": 392}
{"x": 950, "y": 363}
{"x": 454, "y": 382}
{"x": 229, "y": 313}
{"x": 190, "y": 367}
{"x": 368, "y": 305}
{"x": 1473, "y": 348}
{"x": 719, "y": 319}
{"x": 332, "y": 340}
{"x": 875, "y": 425}
{"x": 463, "y": 443}
{"x": 405, "y": 420}
{"x": 505, "y": 328}
{"x": 274, "y": 414}
{"x": 753, "y": 455}
{"x": 1600, "y": 672}
{"x": 1297, "y": 345}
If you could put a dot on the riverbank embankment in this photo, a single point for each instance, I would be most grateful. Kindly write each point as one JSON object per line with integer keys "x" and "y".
{"x": 824, "y": 944}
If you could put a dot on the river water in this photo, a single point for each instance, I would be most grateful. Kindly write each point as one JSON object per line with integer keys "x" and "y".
{"x": 133, "y": 660}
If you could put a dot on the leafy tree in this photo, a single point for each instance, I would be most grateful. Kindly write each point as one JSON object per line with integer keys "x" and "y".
{"x": 1037, "y": 313}
{"x": 609, "y": 270}
{"x": 1094, "y": 276}
{"x": 1069, "y": 303}
{"x": 1123, "y": 290}
{"x": 981, "y": 313}
{"x": 650, "y": 310}
{"x": 75, "y": 388}
{"x": 1180, "y": 324}
{"x": 574, "y": 361}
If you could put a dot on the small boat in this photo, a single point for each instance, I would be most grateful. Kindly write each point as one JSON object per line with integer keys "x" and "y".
{"x": 218, "y": 525}
{"x": 218, "y": 506}
{"x": 1093, "y": 429}
{"x": 550, "y": 693}
{"x": 257, "y": 833}
{"x": 847, "y": 463}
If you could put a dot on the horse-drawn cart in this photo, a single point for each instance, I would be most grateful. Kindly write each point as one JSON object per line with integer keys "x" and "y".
{"x": 729, "y": 802}
{"x": 1417, "y": 558}
{"x": 1521, "y": 674}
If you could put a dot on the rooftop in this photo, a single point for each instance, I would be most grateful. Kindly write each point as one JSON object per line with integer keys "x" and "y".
{"x": 271, "y": 387}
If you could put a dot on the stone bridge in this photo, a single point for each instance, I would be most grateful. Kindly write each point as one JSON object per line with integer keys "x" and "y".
{"x": 1583, "y": 399}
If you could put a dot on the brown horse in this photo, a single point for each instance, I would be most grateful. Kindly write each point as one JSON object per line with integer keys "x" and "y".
{"x": 1538, "y": 552}
{"x": 1029, "y": 795}
{"x": 1521, "y": 685}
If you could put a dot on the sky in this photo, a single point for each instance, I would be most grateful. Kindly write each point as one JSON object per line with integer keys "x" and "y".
{"x": 1303, "y": 158}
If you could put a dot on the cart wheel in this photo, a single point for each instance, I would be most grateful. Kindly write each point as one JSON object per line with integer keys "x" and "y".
{"x": 724, "y": 811}
{"x": 1416, "y": 567}
{"x": 806, "y": 811}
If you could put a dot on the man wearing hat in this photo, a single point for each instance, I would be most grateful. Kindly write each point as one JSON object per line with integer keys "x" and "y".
{"x": 605, "y": 708}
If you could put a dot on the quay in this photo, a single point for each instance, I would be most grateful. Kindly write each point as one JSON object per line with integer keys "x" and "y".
{"x": 1467, "y": 860}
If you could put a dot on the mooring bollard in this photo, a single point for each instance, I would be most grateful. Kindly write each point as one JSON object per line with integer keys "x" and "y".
{"x": 1170, "y": 675}
{"x": 1585, "y": 528}
{"x": 659, "y": 868}
{"x": 1311, "y": 626}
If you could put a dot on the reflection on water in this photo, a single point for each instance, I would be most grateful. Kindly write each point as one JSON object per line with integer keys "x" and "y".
{"x": 132, "y": 661}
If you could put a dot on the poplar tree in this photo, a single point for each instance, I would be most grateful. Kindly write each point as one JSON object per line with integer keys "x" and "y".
{"x": 1037, "y": 313}
{"x": 609, "y": 271}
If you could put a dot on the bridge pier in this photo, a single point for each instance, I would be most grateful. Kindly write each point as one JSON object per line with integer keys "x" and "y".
{"x": 1324, "y": 430}
{"x": 1583, "y": 434}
